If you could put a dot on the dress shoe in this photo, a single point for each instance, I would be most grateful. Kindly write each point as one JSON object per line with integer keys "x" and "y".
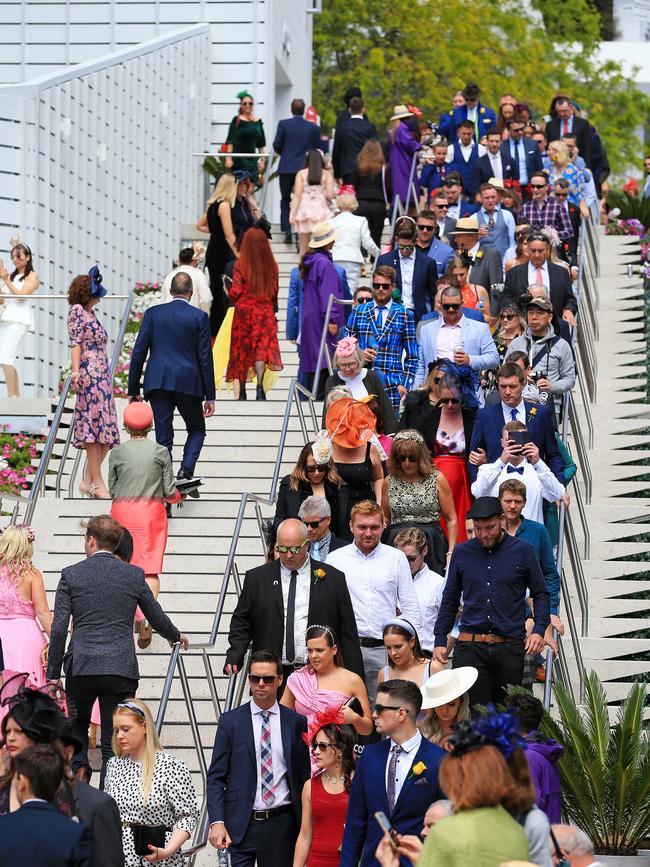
{"x": 144, "y": 632}
{"x": 242, "y": 392}
{"x": 86, "y": 489}
{"x": 287, "y": 238}
{"x": 260, "y": 393}
{"x": 183, "y": 474}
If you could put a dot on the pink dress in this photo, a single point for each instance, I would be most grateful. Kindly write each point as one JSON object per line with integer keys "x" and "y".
{"x": 21, "y": 636}
{"x": 313, "y": 206}
{"x": 311, "y": 700}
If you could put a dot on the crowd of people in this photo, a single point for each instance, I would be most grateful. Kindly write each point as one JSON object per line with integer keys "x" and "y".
{"x": 410, "y": 581}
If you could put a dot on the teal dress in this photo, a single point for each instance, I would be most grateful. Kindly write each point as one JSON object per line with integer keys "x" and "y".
{"x": 246, "y": 136}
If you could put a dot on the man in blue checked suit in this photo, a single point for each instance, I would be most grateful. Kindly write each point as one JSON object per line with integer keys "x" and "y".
{"x": 386, "y": 334}
{"x": 398, "y": 776}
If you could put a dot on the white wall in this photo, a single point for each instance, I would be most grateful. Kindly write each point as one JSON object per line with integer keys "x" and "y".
{"x": 632, "y": 20}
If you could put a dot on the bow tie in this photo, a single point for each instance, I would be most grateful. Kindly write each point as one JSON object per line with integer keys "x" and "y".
{"x": 519, "y": 470}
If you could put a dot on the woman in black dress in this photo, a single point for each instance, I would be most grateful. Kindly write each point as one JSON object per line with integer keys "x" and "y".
{"x": 372, "y": 180}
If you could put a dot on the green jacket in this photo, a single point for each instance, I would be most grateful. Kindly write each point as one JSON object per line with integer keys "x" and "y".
{"x": 485, "y": 837}
{"x": 140, "y": 468}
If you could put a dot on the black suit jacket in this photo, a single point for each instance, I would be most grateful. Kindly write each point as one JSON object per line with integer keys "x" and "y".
{"x": 289, "y": 503}
{"x": 102, "y": 816}
{"x": 259, "y": 615}
{"x": 487, "y": 270}
{"x": 561, "y": 287}
{"x": 425, "y": 277}
{"x": 421, "y": 415}
{"x": 37, "y": 834}
{"x": 533, "y": 157}
{"x": 349, "y": 139}
{"x": 482, "y": 170}
{"x": 232, "y": 776}
{"x": 582, "y": 132}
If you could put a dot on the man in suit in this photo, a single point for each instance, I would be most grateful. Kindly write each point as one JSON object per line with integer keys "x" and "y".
{"x": 259, "y": 766}
{"x": 538, "y": 271}
{"x": 522, "y": 153}
{"x": 349, "y": 138}
{"x": 493, "y": 164}
{"x": 568, "y": 122}
{"x": 483, "y": 118}
{"x": 572, "y": 212}
{"x": 457, "y": 206}
{"x": 429, "y": 242}
{"x": 180, "y": 372}
{"x": 37, "y": 834}
{"x": 316, "y": 514}
{"x": 293, "y": 138}
{"x": 101, "y": 594}
{"x": 386, "y": 334}
{"x": 463, "y": 155}
{"x": 496, "y": 225}
{"x": 462, "y": 340}
{"x": 416, "y": 274}
{"x": 486, "y": 443}
{"x": 398, "y": 776}
{"x": 486, "y": 265}
{"x": 280, "y": 599}
{"x": 439, "y": 208}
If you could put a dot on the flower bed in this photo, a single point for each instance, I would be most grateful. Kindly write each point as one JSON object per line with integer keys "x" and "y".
{"x": 17, "y": 451}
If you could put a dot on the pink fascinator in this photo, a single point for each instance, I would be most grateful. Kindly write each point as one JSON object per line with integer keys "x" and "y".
{"x": 331, "y": 715}
{"x": 31, "y": 535}
{"x": 347, "y": 347}
{"x": 347, "y": 190}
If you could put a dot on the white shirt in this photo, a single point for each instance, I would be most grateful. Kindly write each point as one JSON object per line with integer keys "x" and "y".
{"x": 532, "y": 274}
{"x": 405, "y": 761}
{"x": 201, "y": 295}
{"x": 280, "y": 782}
{"x": 428, "y": 586}
{"x": 539, "y": 481}
{"x": 466, "y": 151}
{"x": 378, "y": 584}
{"x": 507, "y": 412}
{"x": 356, "y": 383}
{"x": 406, "y": 266}
{"x": 385, "y": 310}
{"x": 301, "y": 610}
{"x": 449, "y": 337}
{"x": 520, "y": 157}
{"x": 497, "y": 165}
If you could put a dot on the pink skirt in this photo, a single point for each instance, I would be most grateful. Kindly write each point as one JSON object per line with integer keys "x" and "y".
{"x": 22, "y": 645}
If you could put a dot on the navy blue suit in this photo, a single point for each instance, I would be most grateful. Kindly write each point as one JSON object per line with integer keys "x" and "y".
{"x": 425, "y": 276}
{"x": 293, "y": 138}
{"x": 482, "y": 170}
{"x": 539, "y": 423}
{"x": 38, "y": 834}
{"x": 533, "y": 157}
{"x": 486, "y": 118}
{"x": 179, "y": 374}
{"x": 368, "y": 795}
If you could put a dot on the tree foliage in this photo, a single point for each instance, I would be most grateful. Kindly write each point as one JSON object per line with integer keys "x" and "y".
{"x": 398, "y": 51}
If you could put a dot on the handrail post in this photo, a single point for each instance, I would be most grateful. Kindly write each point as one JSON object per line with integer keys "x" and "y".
{"x": 167, "y": 687}
{"x": 411, "y": 183}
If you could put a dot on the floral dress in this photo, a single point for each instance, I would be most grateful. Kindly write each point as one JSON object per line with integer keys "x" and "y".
{"x": 95, "y": 418}
{"x": 171, "y": 802}
{"x": 254, "y": 332}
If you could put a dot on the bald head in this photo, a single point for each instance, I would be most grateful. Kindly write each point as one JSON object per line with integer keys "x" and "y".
{"x": 292, "y": 533}
{"x": 181, "y": 285}
{"x": 574, "y": 843}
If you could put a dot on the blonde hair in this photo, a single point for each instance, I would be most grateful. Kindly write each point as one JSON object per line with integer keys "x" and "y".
{"x": 347, "y": 202}
{"x": 339, "y": 392}
{"x": 430, "y": 727}
{"x": 225, "y": 190}
{"x": 561, "y": 150}
{"x": 152, "y": 743}
{"x": 16, "y": 552}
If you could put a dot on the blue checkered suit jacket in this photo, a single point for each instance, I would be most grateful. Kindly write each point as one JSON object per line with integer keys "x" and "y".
{"x": 397, "y": 349}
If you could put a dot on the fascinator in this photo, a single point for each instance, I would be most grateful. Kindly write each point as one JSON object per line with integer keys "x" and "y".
{"x": 347, "y": 190}
{"x": 347, "y": 347}
{"x": 350, "y": 423}
{"x": 409, "y": 434}
{"x": 464, "y": 738}
{"x": 501, "y": 730}
{"x": 96, "y": 288}
{"x": 461, "y": 379}
{"x": 31, "y": 535}
{"x": 243, "y": 93}
{"x": 330, "y": 716}
{"x": 322, "y": 448}
{"x": 550, "y": 232}
{"x": 241, "y": 175}
{"x": 37, "y": 714}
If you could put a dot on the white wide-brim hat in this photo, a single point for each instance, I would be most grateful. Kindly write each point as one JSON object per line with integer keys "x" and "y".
{"x": 445, "y": 686}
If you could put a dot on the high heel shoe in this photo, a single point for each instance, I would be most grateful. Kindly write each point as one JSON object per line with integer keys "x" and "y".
{"x": 242, "y": 392}
{"x": 100, "y": 492}
{"x": 260, "y": 393}
{"x": 86, "y": 489}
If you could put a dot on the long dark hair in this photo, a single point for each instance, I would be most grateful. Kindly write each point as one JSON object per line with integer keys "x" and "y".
{"x": 29, "y": 267}
{"x": 342, "y": 741}
{"x": 314, "y": 165}
{"x": 394, "y": 629}
{"x": 326, "y": 632}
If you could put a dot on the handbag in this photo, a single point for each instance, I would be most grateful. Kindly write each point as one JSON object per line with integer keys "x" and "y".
{"x": 148, "y": 835}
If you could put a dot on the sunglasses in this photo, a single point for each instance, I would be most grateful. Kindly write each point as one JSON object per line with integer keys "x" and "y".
{"x": 507, "y": 316}
{"x": 516, "y": 129}
{"x": 449, "y": 400}
{"x": 311, "y": 470}
{"x": 313, "y": 524}
{"x": 442, "y": 207}
{"x": 295, "y": 549}
{"x": 412, "y": 557}
{"x": 247, "y": 102}
{"x": 425, "y": 228}
{"x": 319, "y": 746}
{"x": 381, "y": 285}
{"x": 412, "y": 459}
{"x": 561, "y": 195}
{"x": 380, "y": 708}
{"x": 451, "y": 306}
{"x": 264, "y": 678}
{"x": 405, "y": 246}
{"x": 364, "y": 299}
{"x": 537, "y": 186}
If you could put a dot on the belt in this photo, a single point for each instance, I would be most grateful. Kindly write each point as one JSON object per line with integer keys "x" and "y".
{"x": 296, "y": 666}
{"x": 486, "y": 637}
{"x": 263, "y": 815}
{"x": 371, "y": 642}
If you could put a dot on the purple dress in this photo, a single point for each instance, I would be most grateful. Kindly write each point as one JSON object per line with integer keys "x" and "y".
{"x": 400, "y": 156}
{"x": 95, "y": 418}
{"x": 321, "y": 281}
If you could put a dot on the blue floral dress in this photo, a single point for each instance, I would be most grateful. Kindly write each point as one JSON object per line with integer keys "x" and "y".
{"x": 576, "y": 181}
{"x": 95, "y": 418}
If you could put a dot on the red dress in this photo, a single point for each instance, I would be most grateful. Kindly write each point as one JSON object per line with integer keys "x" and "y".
{"x": 328, "y": 823}
{"x": 254, "y": 332}
{"x": 449, "y": 457}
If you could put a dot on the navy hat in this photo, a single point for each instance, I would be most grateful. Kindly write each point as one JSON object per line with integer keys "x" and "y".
{"x": 485, "y": 507}
{"x": 241, "y": 175}
{"x": 96, "y": 288}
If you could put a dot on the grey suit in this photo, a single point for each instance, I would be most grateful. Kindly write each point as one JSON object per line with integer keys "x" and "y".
{"x": 100, "y": 812}
{"x": 488, "y": 272}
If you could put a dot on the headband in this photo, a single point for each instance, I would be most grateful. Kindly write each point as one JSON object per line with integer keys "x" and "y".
{"x": 129, "y": 705}
{"x": 412, "y": 435}
{"x": 403, "y": 624}
{"x": 324, "y": 628}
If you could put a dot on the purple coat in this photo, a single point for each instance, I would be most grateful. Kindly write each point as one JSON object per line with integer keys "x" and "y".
{"x": 400, "y": 156}
{"x": 321, "y": 281}
{"x": 542, "y": 754}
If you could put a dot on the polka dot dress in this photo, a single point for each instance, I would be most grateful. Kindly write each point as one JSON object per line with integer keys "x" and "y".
{"x": 171, "y": 802}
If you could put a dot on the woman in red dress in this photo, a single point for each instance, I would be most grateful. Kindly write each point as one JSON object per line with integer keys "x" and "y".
{"x": 325, "y": 796}
{"x": 254, "y": 341}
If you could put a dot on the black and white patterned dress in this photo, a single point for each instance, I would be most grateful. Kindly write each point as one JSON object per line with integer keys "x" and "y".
{"x": 171, "y": 802}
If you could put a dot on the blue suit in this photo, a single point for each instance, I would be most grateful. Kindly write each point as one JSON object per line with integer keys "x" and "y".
{"x": 533, "y": 157}
{"x": 179, "y": 374}
{"x": 488, "y": 428}
{"x": 368, "y": 795}
{"x": 441, "y": 254}
{"x": 465, "y": 168}
{"x": 486, "y": 120}
{"x": 425, "y": 277}
{"x": 293, "y": 138}
{"x": 475, "y": 339}
{"x": 37, "y": 834}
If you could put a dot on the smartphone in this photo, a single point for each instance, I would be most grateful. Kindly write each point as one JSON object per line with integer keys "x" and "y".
{"x": 355, "y": 705}
{"x": 387, "y": 828}
{"x": 518, "y": 437}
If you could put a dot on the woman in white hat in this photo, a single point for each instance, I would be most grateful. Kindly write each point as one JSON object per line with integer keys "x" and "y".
{"x": 402, "y": 144}
{"x": 445, "y": 701}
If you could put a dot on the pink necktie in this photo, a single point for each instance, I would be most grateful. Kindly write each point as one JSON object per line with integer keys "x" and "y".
{"x": 538, "y": 277}
{"x": 566, "y": 128}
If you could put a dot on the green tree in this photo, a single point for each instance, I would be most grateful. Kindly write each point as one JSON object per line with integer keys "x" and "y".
{"x": 400, "y": 52}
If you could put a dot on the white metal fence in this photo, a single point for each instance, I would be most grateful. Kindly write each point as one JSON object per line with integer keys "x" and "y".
{"x": 96, "y": 166}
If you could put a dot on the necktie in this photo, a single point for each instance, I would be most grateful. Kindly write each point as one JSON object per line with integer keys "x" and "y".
{"x": 266, "y": 762}
{"x": 380, "y": 317}
{"x": 290, "y": 640}
{"x": 538, "y": 276}
{"x": 491, "y": 222}
{"x": 566, "y": 128}
{"x": 519, "y": 470}
{"x": 315, "y": 551}
{"x": 392, "y": 770}
{"x": 513, "y": 415}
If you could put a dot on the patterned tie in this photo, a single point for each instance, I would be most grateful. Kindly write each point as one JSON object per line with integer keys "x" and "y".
{"x": 266, "y": 761}
{"x": 513, "y": 415}
{"x": 380, "y": 317}
{"x": 290, "y": 639}
{"x": 519, "y": 470}
{"x": 392, "y": 770}
{"x": 491, "y": 221}
{"x": 315, "y": 552}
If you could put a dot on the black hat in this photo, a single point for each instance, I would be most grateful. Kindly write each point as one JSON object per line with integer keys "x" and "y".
{"x": 37, "y": 714}
{"x": 71, "y": 736}
{"x": 485, "y": 507}
{"x": 350, "y": 93}
{"x": 471, "y": 91}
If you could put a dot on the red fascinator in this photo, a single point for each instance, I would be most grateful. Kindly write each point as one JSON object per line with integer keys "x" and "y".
{"x": 332, "y": 715}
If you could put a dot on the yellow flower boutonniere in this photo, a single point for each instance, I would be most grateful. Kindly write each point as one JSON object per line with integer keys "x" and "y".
{"x": 417, "y": 770}
{"x": 482, "y": 110}
{"x": 533, "y": 412}
{"x": 479, "y": 255}
{"x": 318, "y": 574}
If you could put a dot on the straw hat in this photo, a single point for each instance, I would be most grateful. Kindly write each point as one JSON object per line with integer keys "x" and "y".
{"x": 465, "y": 226}
{"x": 350, "y": 423}
{"x": 497, "y": 183}
{"x": 138, "y": 416}
{"x": 322, "y": 234}
{"x": 400, "y": 111}
{"x": 447, "y": 685}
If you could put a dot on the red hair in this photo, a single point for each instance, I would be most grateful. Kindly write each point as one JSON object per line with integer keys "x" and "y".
{"x": 256, "y": 264}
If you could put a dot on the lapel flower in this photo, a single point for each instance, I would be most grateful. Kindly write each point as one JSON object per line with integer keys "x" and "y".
{"x": 532, "y": 412}
{"x": 482, "y": 110}
{"x": 479, "y": 256}
{"x": 417, "y": 770}
{"x": 318, "y": 574}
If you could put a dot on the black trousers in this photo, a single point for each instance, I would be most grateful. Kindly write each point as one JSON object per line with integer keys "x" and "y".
{"x": 270, "y": 843}
{"x": 82, "y": 691}
{"x": 286, "y": 188}
{"x": 190, "y": 407}
{"x": 498, "y": 665}
{"x": 375, "y": 212}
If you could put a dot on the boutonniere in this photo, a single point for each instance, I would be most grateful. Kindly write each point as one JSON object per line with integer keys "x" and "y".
{"x": 479, "y": 256}
{"x": 532, "y": 412}
{"x": 318, "y": 574}
{"x": 417, "y": 770}
{"x": 482, "y": 110}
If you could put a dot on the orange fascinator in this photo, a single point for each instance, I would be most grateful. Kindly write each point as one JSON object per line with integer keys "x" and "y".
{"x": 350, "y": 423}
